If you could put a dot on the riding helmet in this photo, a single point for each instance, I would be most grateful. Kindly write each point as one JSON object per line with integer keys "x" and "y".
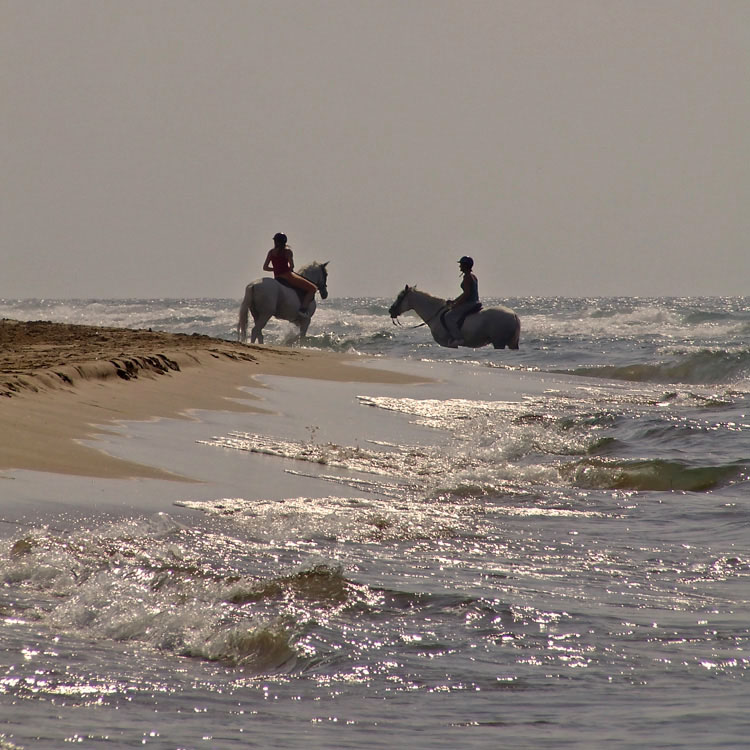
{"x": 467, "y": 261}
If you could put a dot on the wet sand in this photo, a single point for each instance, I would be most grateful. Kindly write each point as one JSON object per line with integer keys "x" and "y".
{"x": 61, "y": 385}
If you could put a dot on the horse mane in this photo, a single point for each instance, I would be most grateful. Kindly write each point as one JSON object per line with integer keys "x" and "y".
{"x": 312, "y": 264}
{"x": 427, "y": 294}
{"x": 315, "y": 272}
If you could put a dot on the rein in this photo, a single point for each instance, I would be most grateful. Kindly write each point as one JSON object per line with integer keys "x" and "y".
{"x": 423, "y": 323}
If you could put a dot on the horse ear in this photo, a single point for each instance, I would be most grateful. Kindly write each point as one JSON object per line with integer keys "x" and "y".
{"x": 325, "y": 264}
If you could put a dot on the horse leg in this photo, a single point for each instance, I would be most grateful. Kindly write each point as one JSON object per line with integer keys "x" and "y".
{"x": 258, "y": 324}
{"x": 515, "y": 339}
{"x": 510, "y": 341}
{"x": 244, "y": 310}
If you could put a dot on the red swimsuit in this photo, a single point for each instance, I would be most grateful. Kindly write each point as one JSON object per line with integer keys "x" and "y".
{"x": 280, "y": 264}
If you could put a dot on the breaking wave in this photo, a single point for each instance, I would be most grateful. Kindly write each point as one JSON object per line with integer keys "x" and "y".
{"x": 652, "y": 475}
{"x": 707, "y": 366}
{"x": 166, "y": 587}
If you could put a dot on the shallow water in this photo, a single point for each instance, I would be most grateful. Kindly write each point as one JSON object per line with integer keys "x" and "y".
{"x": 531, "y": 551}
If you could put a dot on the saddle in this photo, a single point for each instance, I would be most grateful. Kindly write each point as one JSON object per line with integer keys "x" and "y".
{"x": 471, "y": 311}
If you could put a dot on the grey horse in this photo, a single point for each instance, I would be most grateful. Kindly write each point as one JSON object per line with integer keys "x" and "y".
{"x": 498, "y": 326}
{"x": 268, "y": 298}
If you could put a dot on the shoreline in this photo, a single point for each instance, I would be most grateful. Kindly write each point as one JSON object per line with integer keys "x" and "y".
{"x": 61, "y": 384}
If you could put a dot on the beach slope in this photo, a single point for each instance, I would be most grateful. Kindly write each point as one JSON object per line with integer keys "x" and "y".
{"x": 61, "y": 384}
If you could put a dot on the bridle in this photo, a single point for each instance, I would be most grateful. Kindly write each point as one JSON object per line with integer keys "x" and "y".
{"x": 323, "y": 283}
{"x": 397, "y": 322}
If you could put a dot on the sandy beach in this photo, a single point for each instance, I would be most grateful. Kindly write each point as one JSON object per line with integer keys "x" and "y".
{"x": 63, "y": 384}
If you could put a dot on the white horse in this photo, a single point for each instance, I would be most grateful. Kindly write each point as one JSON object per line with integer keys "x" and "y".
{"x": 268, "y": 298}
{"x": 498, "y": 326}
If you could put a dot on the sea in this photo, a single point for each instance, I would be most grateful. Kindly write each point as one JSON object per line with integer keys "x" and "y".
{"x": 543, "y": 548}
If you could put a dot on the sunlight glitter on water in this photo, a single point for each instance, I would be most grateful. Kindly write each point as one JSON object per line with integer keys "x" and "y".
{"x": 468, "y": 577}
{"x": 344, "y": 519}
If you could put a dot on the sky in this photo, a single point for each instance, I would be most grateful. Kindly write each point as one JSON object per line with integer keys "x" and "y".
{"x": 571, "y": 147}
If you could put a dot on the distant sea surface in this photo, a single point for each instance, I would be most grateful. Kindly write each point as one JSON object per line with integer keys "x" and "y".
{"x": 569, "y": 567}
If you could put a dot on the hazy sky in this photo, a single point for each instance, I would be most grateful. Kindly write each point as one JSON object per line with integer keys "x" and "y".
{"x": 573, "y": 147}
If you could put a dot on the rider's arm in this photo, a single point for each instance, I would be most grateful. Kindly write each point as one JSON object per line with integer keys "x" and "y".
{"x": 267, "y": 264}
{"x": 290, "y": 256}
{"x": 465, "y": 287}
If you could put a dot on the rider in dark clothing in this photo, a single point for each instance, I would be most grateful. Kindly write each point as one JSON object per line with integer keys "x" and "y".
{"x": 466, "y": 303}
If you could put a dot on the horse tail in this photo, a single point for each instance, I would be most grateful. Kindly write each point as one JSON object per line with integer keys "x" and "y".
{"x": 513, "y": 343}
{"x": 244, "y": 310}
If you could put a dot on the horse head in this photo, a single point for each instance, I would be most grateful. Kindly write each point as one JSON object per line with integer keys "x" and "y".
{"x": 399, "y": 306}
{"x": 318, "y": 274}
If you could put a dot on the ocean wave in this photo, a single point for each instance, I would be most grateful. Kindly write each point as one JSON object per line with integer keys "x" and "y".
{"x": 365, "y": 306}
{"x": 698, "y": 317}
{"x": 260, "y": 649}
{"x": 165, "y": 586}
{"x": 376, "y": 342}
{"x": 323, "y": 584}
{"x": 651, "y": 475}
{"x": 616, "y": 321}
{"x": 402, "y": 461}
{"x": 559, "y": 332}
{"x": 361, "y": 520}
{"x": 707, "y": 366}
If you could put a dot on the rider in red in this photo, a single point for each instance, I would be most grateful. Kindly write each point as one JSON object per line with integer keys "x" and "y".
{"x": 280, "y": 260}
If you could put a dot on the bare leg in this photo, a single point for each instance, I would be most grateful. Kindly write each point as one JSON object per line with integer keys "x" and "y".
{"x": 307, "y": 287}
